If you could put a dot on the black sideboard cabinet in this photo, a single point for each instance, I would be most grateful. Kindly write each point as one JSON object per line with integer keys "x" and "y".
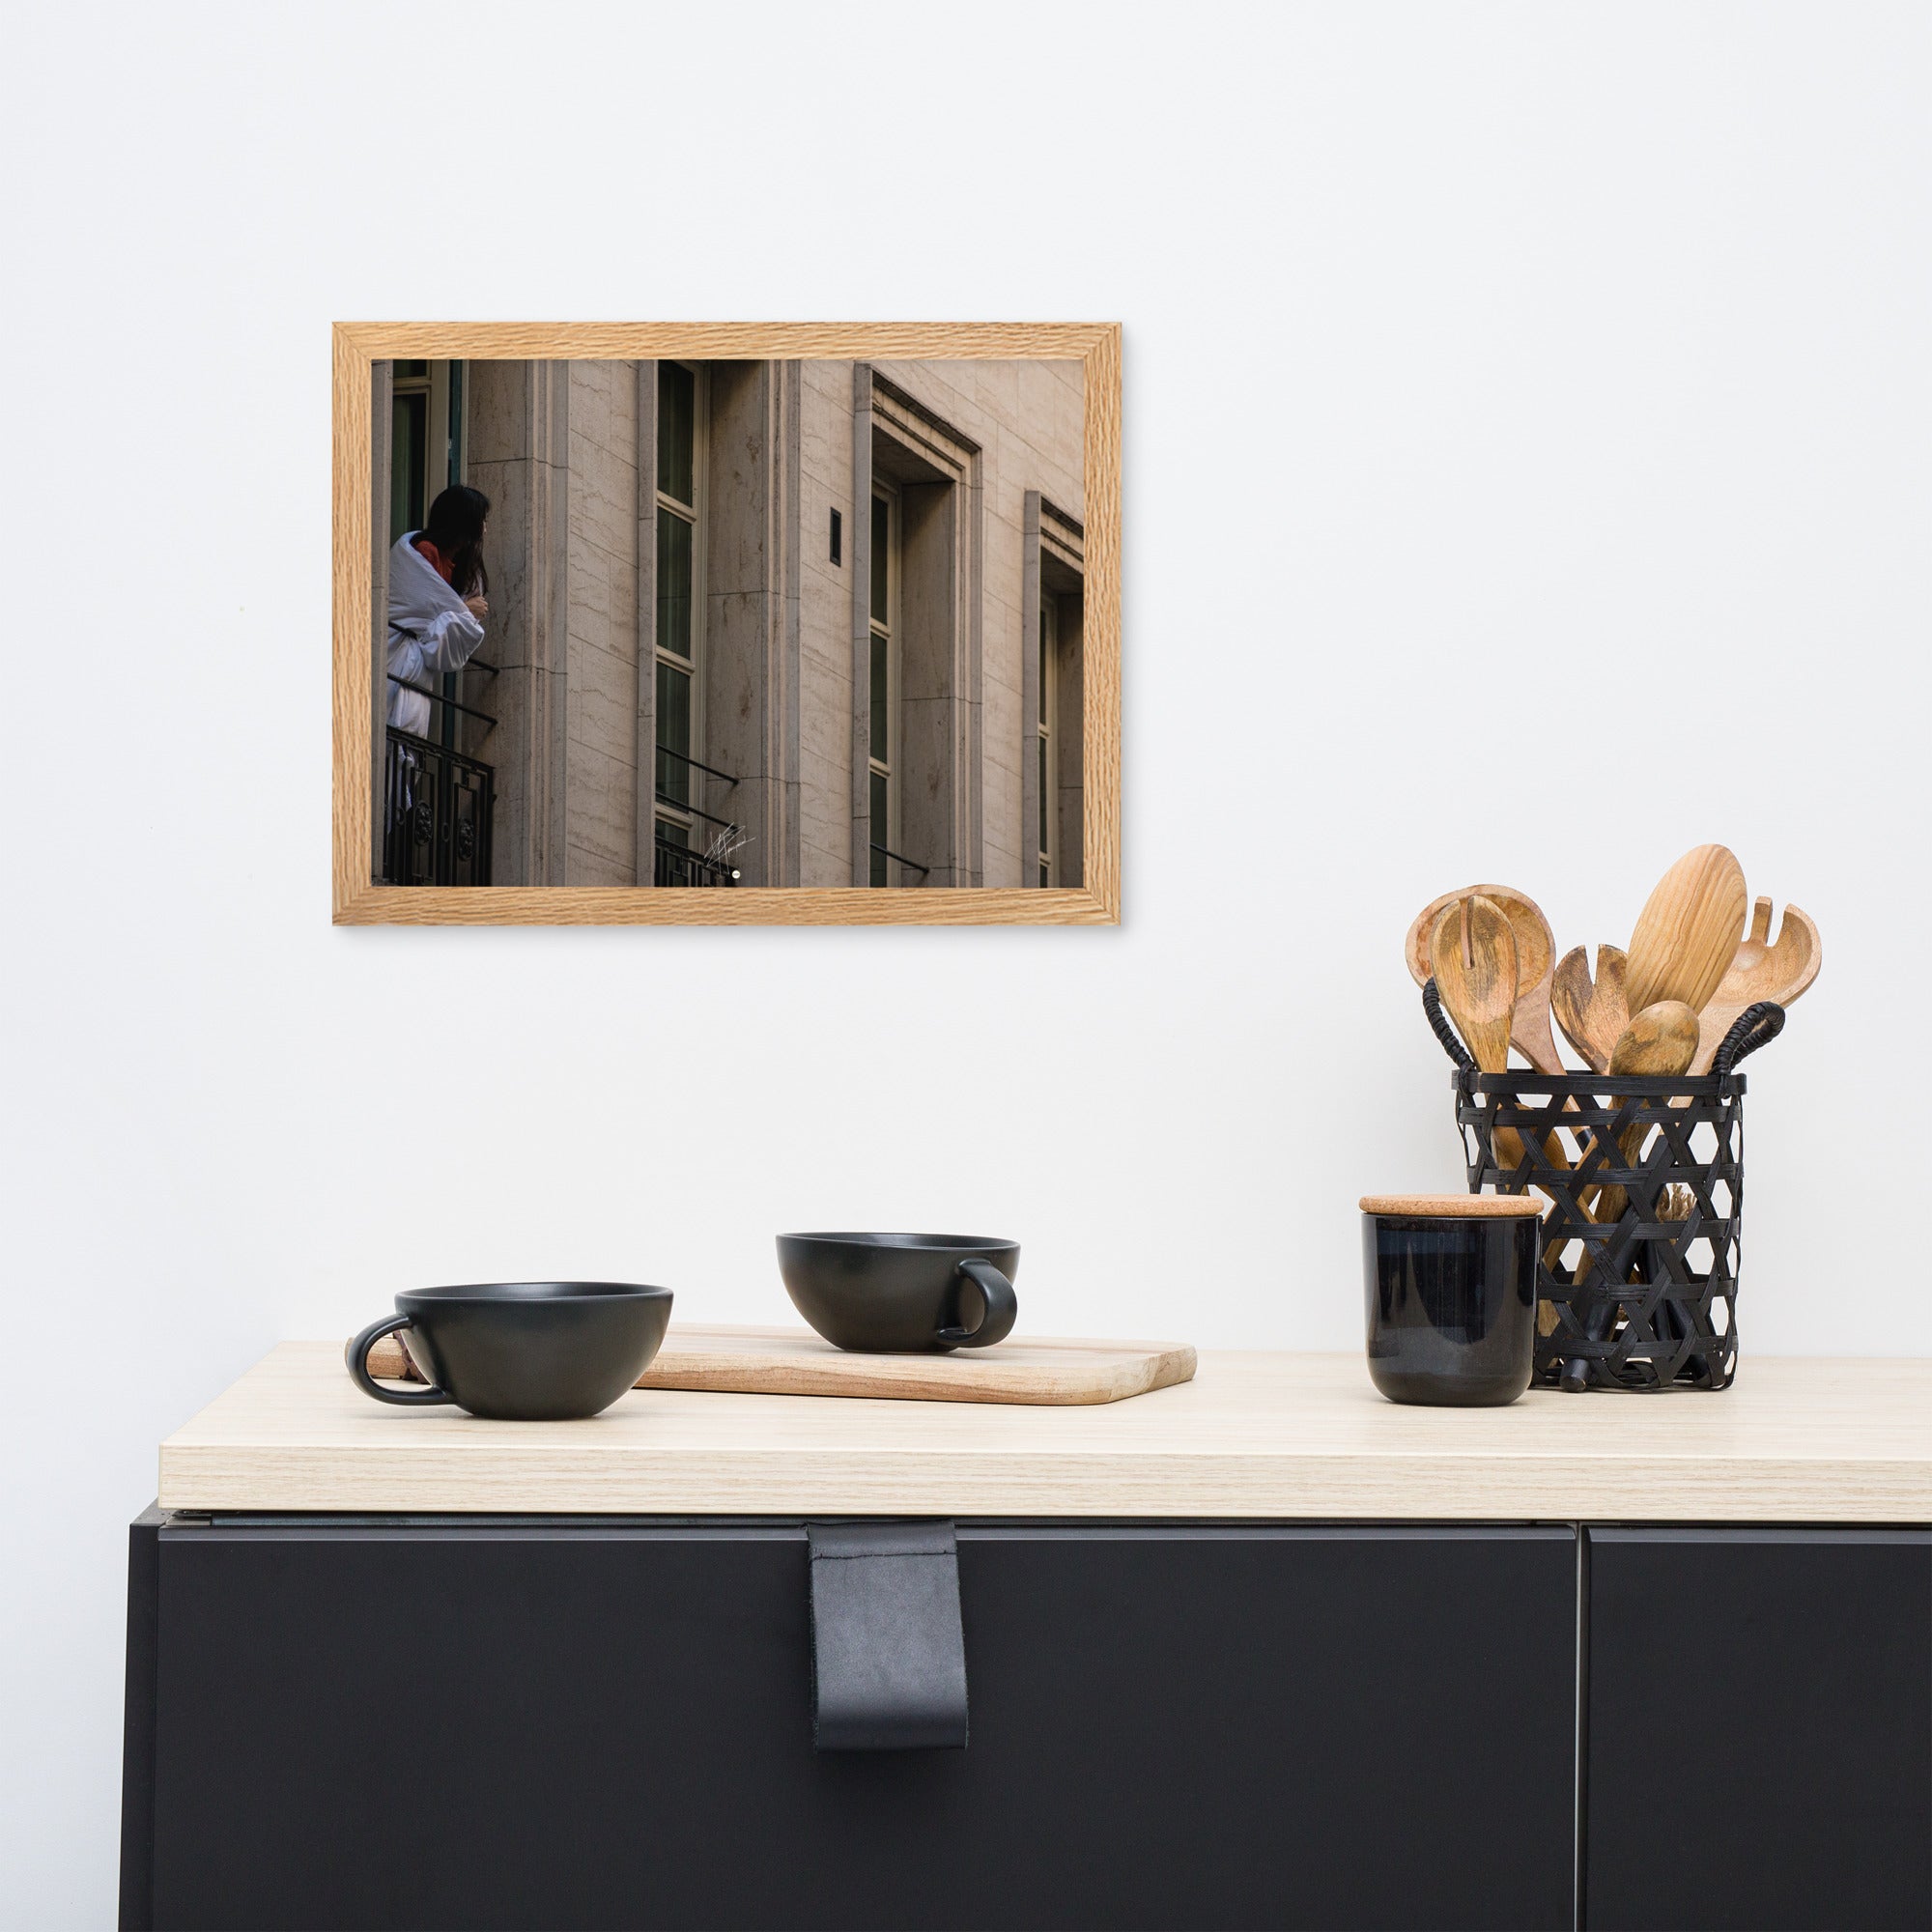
{"x": 1759, "y": 1729}
{"x": 606, "y": 1722}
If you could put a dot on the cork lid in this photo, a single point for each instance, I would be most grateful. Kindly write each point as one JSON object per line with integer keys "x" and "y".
{"x": 1453, "y": 1206}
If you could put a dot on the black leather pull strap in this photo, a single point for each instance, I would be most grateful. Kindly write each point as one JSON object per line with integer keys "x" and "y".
{"x": 888, "y": 1656}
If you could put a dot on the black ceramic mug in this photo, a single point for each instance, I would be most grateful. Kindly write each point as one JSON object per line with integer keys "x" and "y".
{"x": 521, "y": 1351}
{"x": 1451, "y": 1287}
{"x": 902, "y": 1294}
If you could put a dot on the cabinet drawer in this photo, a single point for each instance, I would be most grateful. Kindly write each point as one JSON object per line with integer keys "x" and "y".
{"x": 560, "y": 1724}
{"x": 1760, "y": 1728}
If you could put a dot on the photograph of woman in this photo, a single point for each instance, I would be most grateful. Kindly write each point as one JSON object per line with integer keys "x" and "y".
{"x": 724, "y": 653}
{"x": 437, "y": 822}
{"x": 438, "y": 601}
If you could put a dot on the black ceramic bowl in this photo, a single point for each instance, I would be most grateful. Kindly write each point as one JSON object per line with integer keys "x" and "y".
{"x": 902, "y": 1294}
{"x": 1451, "y": 1298}
{"x": 522, "y": 1351}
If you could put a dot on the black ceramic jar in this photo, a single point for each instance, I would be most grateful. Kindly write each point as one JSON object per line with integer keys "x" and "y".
{"x": 1450, "y": 1281}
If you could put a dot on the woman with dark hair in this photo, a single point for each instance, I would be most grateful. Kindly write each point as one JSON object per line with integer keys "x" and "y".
{"x": 438, "y": 601}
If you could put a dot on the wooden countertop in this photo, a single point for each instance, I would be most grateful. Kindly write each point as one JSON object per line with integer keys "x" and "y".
{"x": 1252, "y": 1436}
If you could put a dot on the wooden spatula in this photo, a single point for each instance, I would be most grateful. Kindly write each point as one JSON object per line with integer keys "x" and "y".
{"x": 1688, "y": 932}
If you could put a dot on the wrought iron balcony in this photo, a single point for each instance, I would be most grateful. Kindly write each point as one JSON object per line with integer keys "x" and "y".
{"x": 676, "y": 865}
{"x": 438, "y": 808}
{"x": 681, "y": 865}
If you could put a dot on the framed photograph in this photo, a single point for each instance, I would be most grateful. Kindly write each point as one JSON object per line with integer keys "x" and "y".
{"x": 726, "y": 623}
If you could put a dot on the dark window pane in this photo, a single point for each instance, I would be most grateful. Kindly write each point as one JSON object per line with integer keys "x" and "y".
{"x": 1045, "y": 802}
{"x": 881, "y": 688}
{"x": 1043, "y": 879}
{"x": 672, "y": 833}
{"x": 677, "y": 431}
{"x": 455, "y": 463}
{"x": 675, "y": 611}
{"x": 408, "y": 464}
{"x": 879, "y": 822}
{"x": 1046, "y": 707}
{"x": 882, "y": 524}
{"x": 673, "y": 734}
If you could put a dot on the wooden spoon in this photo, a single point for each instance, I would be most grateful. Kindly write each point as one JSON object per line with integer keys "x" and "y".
{"x": 1535, "y": 963}
{"x": 1760, "y": 970}
{"x": 1660, "y": 1043}
{"x": 1593, "y": 1016}
{"x": 1688, "y": 932}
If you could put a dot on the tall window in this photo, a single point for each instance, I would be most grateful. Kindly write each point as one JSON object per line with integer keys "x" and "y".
{"x": 1049, "y": 762}
{"x": 409, "y": 448}
{"x": 885, "y": 708}
{"x": 426, "y": 443}
{"x": 680, "y": 628}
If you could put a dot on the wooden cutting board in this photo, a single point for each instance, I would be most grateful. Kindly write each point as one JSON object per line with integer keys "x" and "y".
{"x": 794, "y": 1361}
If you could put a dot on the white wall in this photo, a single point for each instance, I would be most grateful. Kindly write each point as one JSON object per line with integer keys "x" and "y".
{"x": 1528, "y": 416}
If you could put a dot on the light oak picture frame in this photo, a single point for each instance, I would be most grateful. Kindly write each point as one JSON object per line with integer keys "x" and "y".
{"x": 357, "y": 901}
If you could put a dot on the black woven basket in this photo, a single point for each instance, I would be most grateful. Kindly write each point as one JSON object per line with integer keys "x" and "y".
{"x": 1646, "y": 1301}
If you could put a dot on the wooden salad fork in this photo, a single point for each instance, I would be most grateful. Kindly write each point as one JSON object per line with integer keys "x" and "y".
{"x": 1761, "y": 968}
{"x": 1535, "y": 963}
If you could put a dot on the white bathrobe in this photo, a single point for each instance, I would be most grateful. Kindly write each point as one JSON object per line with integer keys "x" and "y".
{"x": 431, "y": 630}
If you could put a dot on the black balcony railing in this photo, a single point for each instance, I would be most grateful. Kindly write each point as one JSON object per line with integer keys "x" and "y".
{"x": 674, "y": 769}
{"x": 679, "y": 865}
{"x": 438, "y": 806}
{"x": 882, "y": 852}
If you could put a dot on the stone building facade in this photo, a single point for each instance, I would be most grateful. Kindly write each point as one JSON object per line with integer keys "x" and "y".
{"x": 807, "y": 623}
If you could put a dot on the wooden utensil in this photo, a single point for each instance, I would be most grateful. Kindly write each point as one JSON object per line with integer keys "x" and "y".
{"x": 1660, "y": 1043}
{"x": 1472, "y": 955}
{"x": 1760, "y": 969}
{"x": 1662, "y": 1040}
{"x": 1688, "y": 932}
{"x": 1593, "y": 1015}
{"x": 1535, "y": 962}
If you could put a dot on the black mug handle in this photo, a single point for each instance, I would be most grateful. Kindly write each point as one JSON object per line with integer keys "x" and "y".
{"x": 1002, "y": 1310}
{"x": 357, "y": 1356}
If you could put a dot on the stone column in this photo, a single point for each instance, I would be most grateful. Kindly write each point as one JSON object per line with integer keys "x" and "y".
{"x": 518, "y": 458}
{"x": 1032, "y": 698}
{"x": 602, "y": 811}
{"x": 750, "y": 617}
